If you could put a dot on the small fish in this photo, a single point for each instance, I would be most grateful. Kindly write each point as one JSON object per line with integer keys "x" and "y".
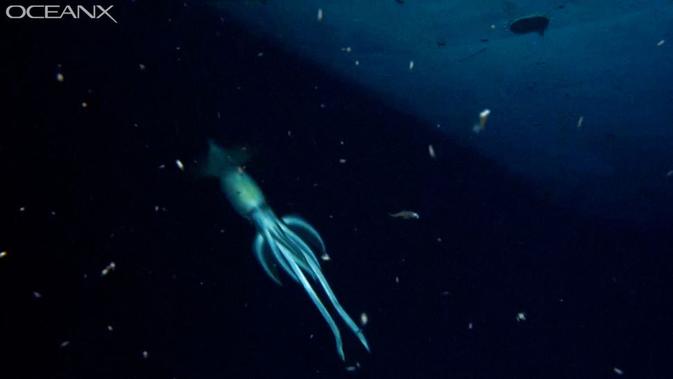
{"x": 406, "y": 215}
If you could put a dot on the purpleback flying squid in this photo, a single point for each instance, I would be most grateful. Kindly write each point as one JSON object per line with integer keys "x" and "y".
{"x": 287, "y": 243}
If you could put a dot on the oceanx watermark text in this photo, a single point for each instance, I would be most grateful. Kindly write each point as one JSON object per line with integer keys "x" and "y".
{"x": 59, "y": 12}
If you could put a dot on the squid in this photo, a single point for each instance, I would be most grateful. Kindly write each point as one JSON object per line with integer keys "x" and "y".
{"x": 287, "y": 243}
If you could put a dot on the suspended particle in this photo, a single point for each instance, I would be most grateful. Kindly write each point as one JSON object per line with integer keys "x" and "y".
{"x": 60, "y": 77}
{"x": 320, "y": 14}
{"x": 431, "y": 151}
{"x": 411, "y": 65}
{"x": 483, "y": 118}
{"x": 364, "y": 319}
{"x": 108, "y": 269}
{"x": 181, "y": 166}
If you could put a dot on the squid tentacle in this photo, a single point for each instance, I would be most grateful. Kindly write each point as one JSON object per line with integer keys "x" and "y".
{"x": 320, "y": 278}
{"x": 278, "y": 252}
{"x": 264, "y": 257}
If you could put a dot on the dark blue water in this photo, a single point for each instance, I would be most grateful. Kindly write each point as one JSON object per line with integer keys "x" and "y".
{"x": 186, "y": 288}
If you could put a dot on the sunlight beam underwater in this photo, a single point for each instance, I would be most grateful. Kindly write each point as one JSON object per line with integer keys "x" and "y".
{"x": 288, "y": 242}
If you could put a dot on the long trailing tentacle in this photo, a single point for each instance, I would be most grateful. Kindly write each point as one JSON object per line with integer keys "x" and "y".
{"x": 265, "y": 256}
{"x": 318, "y": 275}
{"x": 312, "y": 235}
{"x": 301, "y": 278}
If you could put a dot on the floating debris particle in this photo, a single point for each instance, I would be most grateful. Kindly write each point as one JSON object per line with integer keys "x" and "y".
{"x": 260, "y": 54}
{"x": 618, "y": 371}
{"x": 431, "y": 151}
{"x": 181, "y": 166}
{"x": 3, "y": 253}
{"x": 142, "y": 67}
{"x": 411, "y": 65}
{"x": 405, "y": 215}
{"x": 22, "y": 209}
{"x": 342, "y": 160}
{"x": 580, "y": 122}
{"x": 145, "y": 354}
{"x": 325, "y": 257}
{"x": 60, "y": 77}
{"x": 483, "y": 118}
{"x": 110, "y": 328}
{"x": 64, "y": 344}
{"x": 530, "y": 24}
{"x": 347, "y": 49}
{"x": 669, "y": 174}
{"x": 364, "y": 319}
{"x": 357, "y": 62}
{"x": 351, "y": 368}
{"x": 161, "y": 166}
{"x": 661, "y": 43}
{"x": 470, "y": 326}
{"x": 37, "y": 295}
{"x": 108, "y": 269}
{"x": 320, "y": 14}
{"x": 397, "y": 279}
{"x": 521, "y": 316}
{"x": 84, "y": 104}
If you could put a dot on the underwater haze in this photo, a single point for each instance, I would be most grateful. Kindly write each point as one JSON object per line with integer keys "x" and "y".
{"x": 338, "y": 189}
{"x": 597, "y": 60}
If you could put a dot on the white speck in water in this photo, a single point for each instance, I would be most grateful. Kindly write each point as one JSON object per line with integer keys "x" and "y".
{"x": 521, "y": 316}
{"x": 181, "y": 166}
{"x": 64, "y": 344}
{"x": 325, "y": 257}
{"x": 364, "y": 319}
{"x": 411, "y": 65}
{"x": 145, "y": 354}
{"x": 108, "y": 269}
{"x": 320, "y": 14}
{"x": 141, "y": 67}
{"x": 37, "y": 295}
{"x": 342, "y": 160}
{"x": 661, "y": 43}
{"x": 580, "y": 122}
{"x": 60, "y": 77}
{"x": 618, "y": 371}
{"x": 431, "y": 151}
{"x": 357, "y": 62}
{"x": 3, "y": 254}
{"x": 470, "y": 326}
